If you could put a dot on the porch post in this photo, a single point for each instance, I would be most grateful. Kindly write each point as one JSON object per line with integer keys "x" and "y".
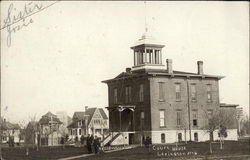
{"x": 134, "y": 119}
{"x": 120, "y": 109}
{"x": 120, "y": 116}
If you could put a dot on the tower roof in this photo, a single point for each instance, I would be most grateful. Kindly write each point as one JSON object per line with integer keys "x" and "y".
{"x": 147, "y": 39}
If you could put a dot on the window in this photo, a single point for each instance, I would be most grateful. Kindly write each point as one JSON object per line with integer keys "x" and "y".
{"x": 142, "y": 119}
{"x": 193, "y": 92}
{"x": 209, "y": 93}
{"x": 161, "y": 91}
{"x": 80, "y": 123}
{"x": 162, "y": 118}
{"x": 195, "y": 123}
{"x": 195, "y": 118}
{"x": 196, "y": 137}
{"x": 115, "y": 96}
{"x": 157, "y": 57}
{"x": 149, "y": 55}
{"x": 141, "y": 93}
{"x": 80, "y": 131}
{"x": 140, "y": 59}
{"x": 178, "y": 92}
{"x": 209, "y": 113}
{"x": 104, "y": 122}
{"x": 178, "y": 117}
{"x": 179, "y": 137}
{"x": 163, "y": 140}
{"x": 128, "y": 94}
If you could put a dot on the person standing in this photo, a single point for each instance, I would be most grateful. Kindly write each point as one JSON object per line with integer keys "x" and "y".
{"x": 96, "y": 144}
{"x": 89, "y": 143}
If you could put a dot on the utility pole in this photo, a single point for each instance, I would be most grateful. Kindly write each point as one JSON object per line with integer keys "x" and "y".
{"x": 188, "y": 103}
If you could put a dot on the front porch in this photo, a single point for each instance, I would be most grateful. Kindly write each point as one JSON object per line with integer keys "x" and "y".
{"x": 122, "y": 118}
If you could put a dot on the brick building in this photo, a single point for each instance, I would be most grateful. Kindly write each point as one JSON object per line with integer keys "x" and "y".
{"x": 151, "y": 99}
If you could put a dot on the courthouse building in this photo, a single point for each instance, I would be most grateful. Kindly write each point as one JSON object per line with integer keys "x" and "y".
{"x": 151, "y": 99}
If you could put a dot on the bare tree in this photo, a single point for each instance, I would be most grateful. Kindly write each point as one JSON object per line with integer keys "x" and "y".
{"x": 245, "y": 126}
{"x": 217, "y": 120}
{"x": 63, "y": 132}
{"x": 30, "y": 132}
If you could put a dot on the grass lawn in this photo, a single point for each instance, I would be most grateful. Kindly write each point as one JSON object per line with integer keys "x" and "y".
{"x": 202, "y": 149}
{"x": 139, "y": 153}
{"x": 44, "y": 153}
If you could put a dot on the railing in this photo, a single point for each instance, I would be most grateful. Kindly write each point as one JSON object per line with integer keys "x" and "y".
{"x": 112, "y": 140}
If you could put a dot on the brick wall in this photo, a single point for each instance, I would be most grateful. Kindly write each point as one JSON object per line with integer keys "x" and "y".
{"x": 170, "y": 105}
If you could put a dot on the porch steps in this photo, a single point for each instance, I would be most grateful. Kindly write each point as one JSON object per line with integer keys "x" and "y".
{"x": 112, "y": 139}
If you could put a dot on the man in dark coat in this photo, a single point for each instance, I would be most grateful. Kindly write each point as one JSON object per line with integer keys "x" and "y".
{"x": 96, "y": 144}
{"x": 89, "y": 143}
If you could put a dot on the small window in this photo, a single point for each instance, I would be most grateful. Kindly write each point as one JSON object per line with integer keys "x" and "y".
{"x": 195, "y": 118}
{"x": 209, "y": 114}
{"x": 128, "y": 97}
{"x": 115, "y": 96}
{"x": 162, "y": 118}
{"x": 196, "y": 137}
{"x": 193, "y": 92}
{"x": 161, "y": 91}
{"x": 163, "y": 140}
{"x": 80, "y": 131}
{"x": 179, "y": 137}
{"x": 195, "y": 122}
{"x": 142, "y": 120}
{"x": 178, "y": 117}
{"x": 178, "y": 92}
{"x": 141, "y": 93}
{"x": 80, "y": 123}
{"x": 209, "y": 93}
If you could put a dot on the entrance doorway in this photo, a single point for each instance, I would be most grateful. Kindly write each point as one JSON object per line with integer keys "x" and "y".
{"x": 131, "y": 137}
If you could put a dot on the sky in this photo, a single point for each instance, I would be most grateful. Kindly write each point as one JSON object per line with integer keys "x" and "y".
{"x": 61, "y": 53}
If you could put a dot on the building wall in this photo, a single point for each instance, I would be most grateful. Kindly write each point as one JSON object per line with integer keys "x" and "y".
{"x": 230, "y": 112}
{"x": 171, "y": 136}
{"x": 170, "y": 105}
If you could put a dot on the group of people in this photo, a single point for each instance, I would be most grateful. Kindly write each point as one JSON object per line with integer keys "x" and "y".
{"x": 147, "y": 141}
{"x": 93, "y": 144}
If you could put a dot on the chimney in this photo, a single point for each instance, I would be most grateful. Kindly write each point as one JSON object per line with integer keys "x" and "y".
{"x": 128, "y": 70}
{"x": 200, "y": 67}
{"x": 86, "y": 108}
{"x": 169, "y": 66}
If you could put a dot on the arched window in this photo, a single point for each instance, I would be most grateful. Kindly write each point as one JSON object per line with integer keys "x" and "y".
{"x": 163, "y": 138}
{"x": 179, "y": 137}
{"x": 196, "y": 137}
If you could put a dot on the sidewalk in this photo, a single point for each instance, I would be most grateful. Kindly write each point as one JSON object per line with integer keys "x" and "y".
{"x": 87, "y": 155}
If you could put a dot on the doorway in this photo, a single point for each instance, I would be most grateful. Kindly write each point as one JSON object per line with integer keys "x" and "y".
{"x": 131, "y": 137}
